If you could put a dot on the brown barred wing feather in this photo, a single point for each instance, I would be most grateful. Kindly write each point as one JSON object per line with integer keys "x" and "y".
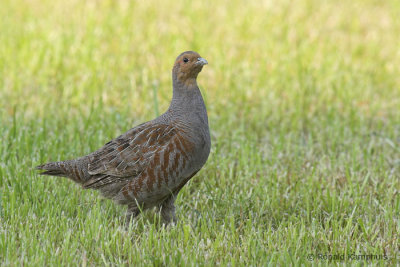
{"x": 128, "y": 155}
{"x": 164, "y": 173}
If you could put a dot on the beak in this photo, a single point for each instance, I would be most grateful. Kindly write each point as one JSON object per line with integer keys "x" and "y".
{"x": 201, "y": 61}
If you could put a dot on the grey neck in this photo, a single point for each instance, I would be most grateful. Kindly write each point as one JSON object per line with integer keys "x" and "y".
{"x": 186, "y": 100}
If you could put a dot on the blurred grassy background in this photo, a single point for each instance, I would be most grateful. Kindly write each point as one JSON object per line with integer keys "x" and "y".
{"x": 304, "y": 106}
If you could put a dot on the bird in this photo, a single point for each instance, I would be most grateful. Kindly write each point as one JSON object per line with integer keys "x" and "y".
{"x": 147, "y": 166}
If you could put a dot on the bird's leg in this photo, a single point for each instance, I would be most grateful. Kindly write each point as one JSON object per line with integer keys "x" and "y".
{"x": 131, "y": 213}
{"x": 168, "y": 210}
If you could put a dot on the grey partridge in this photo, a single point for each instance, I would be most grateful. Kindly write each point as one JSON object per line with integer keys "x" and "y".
{"x": 148, "y": 165}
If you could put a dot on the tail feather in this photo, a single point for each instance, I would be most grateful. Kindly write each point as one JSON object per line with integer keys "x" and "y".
{"x": 53, "y": 169}
{"x": 53, "y": 173}
{"x": 75, "y": 169}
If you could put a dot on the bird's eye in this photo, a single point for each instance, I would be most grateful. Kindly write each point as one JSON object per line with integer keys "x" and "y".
{"x": 185, "y": 60}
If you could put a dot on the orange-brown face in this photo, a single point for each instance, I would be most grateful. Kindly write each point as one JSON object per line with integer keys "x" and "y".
{"x": 187, "y": 66}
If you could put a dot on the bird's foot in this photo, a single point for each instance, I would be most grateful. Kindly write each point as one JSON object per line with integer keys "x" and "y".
{"x": 131, "y": 213}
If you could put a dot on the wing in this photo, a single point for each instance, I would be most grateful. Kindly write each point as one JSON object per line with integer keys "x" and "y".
{"x": 129, "y": 154}
{"x": 165, "y": 172}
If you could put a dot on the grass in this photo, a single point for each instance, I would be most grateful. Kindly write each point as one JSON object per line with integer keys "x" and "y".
{"x": 304, "y": 105}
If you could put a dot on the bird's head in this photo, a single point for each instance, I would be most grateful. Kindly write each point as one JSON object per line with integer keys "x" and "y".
{"x": 187, "y": 66}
